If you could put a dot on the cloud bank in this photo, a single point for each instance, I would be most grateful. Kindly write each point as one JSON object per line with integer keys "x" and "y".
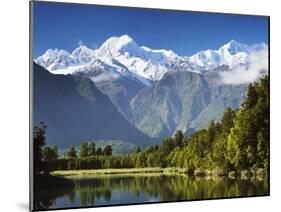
{"x": 257, "y": 66}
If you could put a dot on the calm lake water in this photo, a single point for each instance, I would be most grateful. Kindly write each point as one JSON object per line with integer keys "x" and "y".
{"x": 112, "y": 190}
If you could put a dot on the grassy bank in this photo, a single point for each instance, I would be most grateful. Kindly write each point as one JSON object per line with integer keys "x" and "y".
{"x": 118, "y": 171}
{"x": 158, "y": 170}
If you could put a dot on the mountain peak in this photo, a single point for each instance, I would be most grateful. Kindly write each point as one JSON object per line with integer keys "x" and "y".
{"x": 118, "y": 42}
{"x": 231, "y": 54}
{"x": 83, "y": 54}
{"x": 233, "y": 47}
{"x": 81, "y": 48}
{"x": 126, "y": 38}
{"x": 113, "y": 46}
{"x": 54, "y": 59}
{"x": 233, "y": 42}
{"x": 56, "y": 52}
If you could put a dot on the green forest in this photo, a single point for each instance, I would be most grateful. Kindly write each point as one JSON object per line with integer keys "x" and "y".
{"x": 239, "y": 142}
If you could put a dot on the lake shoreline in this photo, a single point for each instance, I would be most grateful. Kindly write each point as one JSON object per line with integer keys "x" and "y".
{"x": 243, "y": 174}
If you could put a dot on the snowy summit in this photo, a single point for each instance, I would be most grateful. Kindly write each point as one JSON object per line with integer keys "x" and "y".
{"x": 122, "y": 56}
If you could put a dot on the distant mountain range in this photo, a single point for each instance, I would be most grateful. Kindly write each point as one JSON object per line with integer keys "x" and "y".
{"x": 123, "y": 57}
{"x": 122, "y": 91}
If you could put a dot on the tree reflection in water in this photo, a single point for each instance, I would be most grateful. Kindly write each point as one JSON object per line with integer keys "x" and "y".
{"x": 89, "y": 191}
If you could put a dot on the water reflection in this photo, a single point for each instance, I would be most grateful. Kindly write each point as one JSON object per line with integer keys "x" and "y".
{"x": 109, "y": 190}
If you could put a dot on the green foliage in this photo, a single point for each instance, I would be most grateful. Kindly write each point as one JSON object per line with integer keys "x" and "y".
{"x": 91, "y": 149}
{"x": 138, "y": 150}
{"x": 178, "y": 138}
{"x": 71, "y": 152}
{"x": 107, "y": 150}
{"x": 83, "y": 150}
{"x": 248, "y": 139}
{"x": 50, "y": 153}
{"x": 39, "y": 142}
{"x": 141, "y": 160}
{"x": 99, "y": 151}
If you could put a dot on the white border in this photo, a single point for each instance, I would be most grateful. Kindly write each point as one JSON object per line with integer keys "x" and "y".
{"x": 14, "y": 20}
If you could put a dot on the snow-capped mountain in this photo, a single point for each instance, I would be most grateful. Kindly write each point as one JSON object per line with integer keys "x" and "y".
{"x": 107, "y": 70}
{"x": 60, "y": 59}
{"x": 83, "y": 55}
{"x": 124, "y": 57}
{"x": 145, "y": 62}
{"x": 55, "y": 59}
{"x": 230, "y": 54}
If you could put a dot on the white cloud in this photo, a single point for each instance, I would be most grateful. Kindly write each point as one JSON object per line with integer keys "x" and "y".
{"x": 104, "y": 77}
{"x": 243, "y": 74}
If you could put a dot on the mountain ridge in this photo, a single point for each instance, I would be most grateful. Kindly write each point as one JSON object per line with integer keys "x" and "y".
{"x": 143, "y": 62}
{"x": 75, "y": 111}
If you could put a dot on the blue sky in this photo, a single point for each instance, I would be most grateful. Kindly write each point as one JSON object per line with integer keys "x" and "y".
{"x": 64, "y": 26}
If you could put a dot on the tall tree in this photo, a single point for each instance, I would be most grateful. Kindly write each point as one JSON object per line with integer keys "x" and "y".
{"x": 71, "y": 152}
{"x": 91, "y": 149}
{"x": 227, "y": 120}
{"x": 83, "y": 150}
{"x": 252, "y": 96}
{"x": 99, "y": 152}
{"x": 138, "y": 149}
{"x": 167, "y": 145}
{"x": 107, "y": 150}
{"x": 178, "y": 139}
{"x": 249, "y": 136}
{"x": 39, "y": 141}
{"x": 50, "y": 153}
{"x": 141, "y": 161}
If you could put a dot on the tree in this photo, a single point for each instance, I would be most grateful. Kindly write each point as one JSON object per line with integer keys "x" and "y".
{"x": 150, "y": 149}
{"x": 178, "y": 139}
{"x": 91, "y": 149}
{"x": 150, "y": 160}
{"x": 99, "y": 151}
{"x": 167, "y": 145}
{"x": 252, "y": 96}
{"x": 107, "y": 150}
{"x": 141, "y": 160}
{"x": 227, "y": 120}
{"x": 239, "y": 139}
{"x": 71, "y": 152}
{"x": 218, "y": 156}
{"x": 50, "y": 153}
{"x": 83, "y": 150}
{"x": 212, "y": 132}
{"x": 39, "y": 141}
{"x": 249, "y": 135}
{"x": 138, "y": 149}
{"x": 156, "y": 147}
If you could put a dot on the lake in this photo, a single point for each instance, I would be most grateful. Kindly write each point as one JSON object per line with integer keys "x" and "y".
{"x": 116, "y": 189}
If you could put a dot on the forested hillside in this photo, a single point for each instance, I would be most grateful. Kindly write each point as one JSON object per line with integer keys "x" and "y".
{"x": 239, "y": 142}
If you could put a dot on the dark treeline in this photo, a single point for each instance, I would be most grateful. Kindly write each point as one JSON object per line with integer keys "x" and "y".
{"x": 42, "y": 179}
{"x": 239, "y": 142}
